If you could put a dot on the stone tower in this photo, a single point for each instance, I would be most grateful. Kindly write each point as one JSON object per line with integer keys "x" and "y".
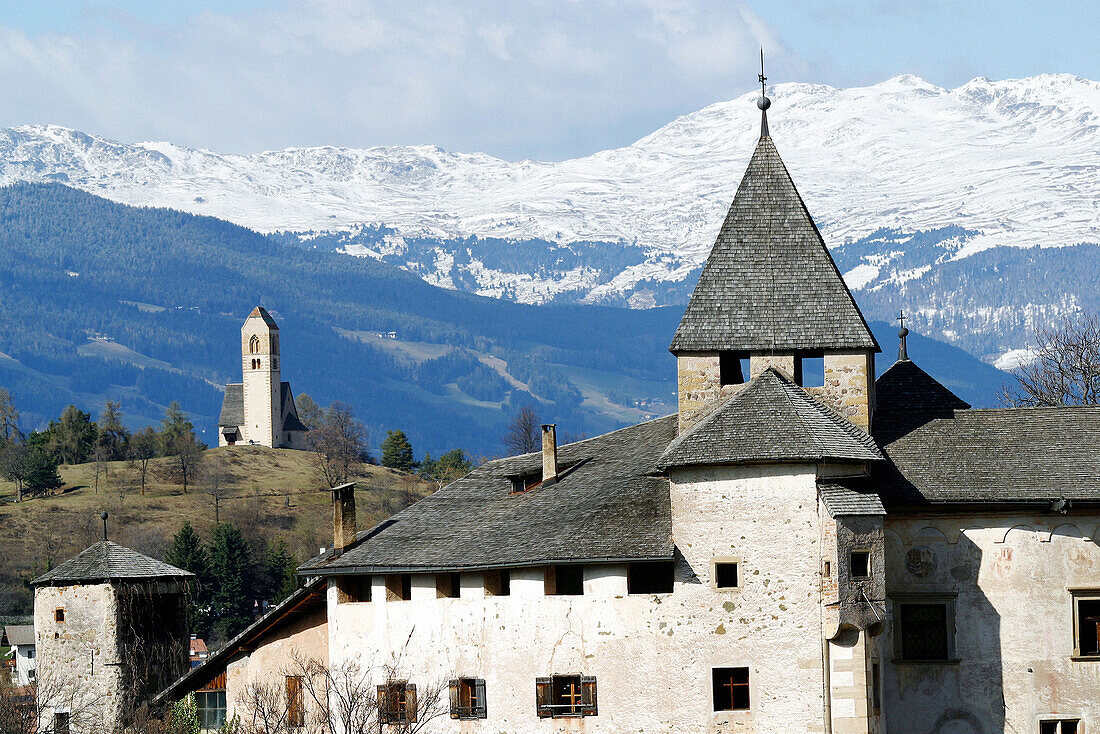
{"x": 262, "y": 381}
{"x": 770, "y": 295}
{"x": 111, "y": 630}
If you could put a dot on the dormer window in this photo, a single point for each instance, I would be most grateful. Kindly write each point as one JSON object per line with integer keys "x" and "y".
{"x": 733, "y": 367}
{"x": 523, "y": 482}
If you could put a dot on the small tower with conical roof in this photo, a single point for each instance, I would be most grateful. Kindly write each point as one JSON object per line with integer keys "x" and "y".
{"x": 111, "y": 630}
{"x": 770, "y": 295}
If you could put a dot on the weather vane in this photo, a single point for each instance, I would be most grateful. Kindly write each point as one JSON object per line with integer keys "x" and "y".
{"x": 763, "y": 79}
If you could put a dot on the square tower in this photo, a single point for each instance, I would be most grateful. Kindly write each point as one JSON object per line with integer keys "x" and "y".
{"x": 263, "y": 415}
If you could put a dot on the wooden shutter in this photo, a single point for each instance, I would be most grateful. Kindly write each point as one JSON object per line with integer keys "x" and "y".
{"x": 481, "y": 707}
{"x": 588, "y": 695}
{"x": 454, "y": 698}
{"x": 542, "y": 698}
{"x": 410, "y": 703}
{"x": 383, "y": 704}
{"x": 295, "y": 715}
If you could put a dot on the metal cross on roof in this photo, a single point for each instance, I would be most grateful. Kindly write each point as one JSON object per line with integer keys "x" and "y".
{"x": 901, "y": 318}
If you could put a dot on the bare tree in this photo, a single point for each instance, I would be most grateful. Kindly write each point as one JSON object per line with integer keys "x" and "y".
{"x": 214, "y": 478}
{"x": 522, "y": 436}
{"x": 338, "y": 443}
{"x": 1066, "y": 367}
{"x": 142, "y": 450}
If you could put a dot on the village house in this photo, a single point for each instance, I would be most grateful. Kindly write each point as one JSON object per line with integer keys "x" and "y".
{"x": 260, "y": 409}
{"x": 799, "y": 548}
{"x": 21, "y": 661}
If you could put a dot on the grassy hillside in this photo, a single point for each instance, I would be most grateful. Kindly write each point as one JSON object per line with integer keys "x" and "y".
{"x": 273, "y": 494}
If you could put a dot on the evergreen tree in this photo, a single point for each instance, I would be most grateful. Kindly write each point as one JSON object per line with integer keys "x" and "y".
{"x": 232, "y": 580}
{"x": 113, "y": 436}
{"x": 450, "y": 466}
{"x": 397, "y": 452}
{"x": 41, "y": 476}
{"x": 280, "y": 572}
{"x": 175, "y": 427}
{"x": 72, "y": 436}
{"x": 188, "y": 553}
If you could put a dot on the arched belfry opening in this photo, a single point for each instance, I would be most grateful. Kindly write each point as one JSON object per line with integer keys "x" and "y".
{"x": 254, "y": 344}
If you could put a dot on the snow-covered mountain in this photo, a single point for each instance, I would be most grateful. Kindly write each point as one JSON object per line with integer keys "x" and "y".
{"x": 903, "y": 177}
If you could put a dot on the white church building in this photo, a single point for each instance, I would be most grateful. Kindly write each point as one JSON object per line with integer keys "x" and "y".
{"x": 260, "y": 409}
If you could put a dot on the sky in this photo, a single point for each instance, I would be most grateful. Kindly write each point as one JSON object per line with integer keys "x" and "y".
{"x": 538, "y": 79}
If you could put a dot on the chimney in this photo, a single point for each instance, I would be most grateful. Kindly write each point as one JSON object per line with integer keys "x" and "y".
{"x": 549, "y": 454}
{"x": 343, "y": 517}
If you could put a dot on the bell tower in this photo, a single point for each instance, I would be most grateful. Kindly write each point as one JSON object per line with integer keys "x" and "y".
{"x": 262, "y": 379}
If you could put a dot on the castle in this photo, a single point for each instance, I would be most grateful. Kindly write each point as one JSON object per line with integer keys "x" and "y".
{"x": 800, "y": 548}
{"x": 260, "y": 409}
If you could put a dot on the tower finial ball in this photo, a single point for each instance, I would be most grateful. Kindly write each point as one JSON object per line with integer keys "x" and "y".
{"x": 763, "y": 103}
{"x": 903, "y": 332}
{"x": 103, "y": 515}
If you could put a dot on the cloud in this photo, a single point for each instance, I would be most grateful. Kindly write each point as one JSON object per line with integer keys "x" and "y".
{"x": 532, "y": 79}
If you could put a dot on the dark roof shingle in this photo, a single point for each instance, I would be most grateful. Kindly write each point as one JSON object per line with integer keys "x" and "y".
{"x": 232, "y": 405}
{"x": 770, "y": 419}
{"x": 608, "y": 504}
{"x": 107, "y": 561}
{"x": 770, "y": 282}
{"x": 849, "y": 497}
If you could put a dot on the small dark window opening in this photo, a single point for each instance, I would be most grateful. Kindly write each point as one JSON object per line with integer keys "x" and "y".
{"x": 726, "y": 575}
{"x": 448, "y": 585}
{"x": 61, "y": 722}
{"x": 356, "y": 588}
{"x": 399, "y": 587}
{"x": 924, "y": 632}
{"x": 1088, "y": 626}
{"x": 731, "y": 689}
{"x": 468, "y": 699}
{"x": 809, "y": 369}
{"x": 650, "y": 578}
{"x": 1059, "y": 726}
{"x": 524, "y": 482}
{"x": 861, "y": 564}
{"x": 498, "y": 582}
{"x": 59, "y": 616}
{"x": 876, "y": 688}
{"x": 828, "y": 569}
{"x": 733, "y": 368}
{"x": 397, "y": 702}
{"x": 565, "y": 580}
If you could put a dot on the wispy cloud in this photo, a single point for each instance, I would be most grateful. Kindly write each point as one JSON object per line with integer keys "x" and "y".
{"x": 539, "y": 79}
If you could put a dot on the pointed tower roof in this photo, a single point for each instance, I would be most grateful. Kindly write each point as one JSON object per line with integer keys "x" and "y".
{"x": 770, "y": 283}
{"x": 261, "y": 313}
{"x": 106, "y": 561}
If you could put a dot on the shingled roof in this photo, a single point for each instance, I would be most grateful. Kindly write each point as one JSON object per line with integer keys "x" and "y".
{"x": 232, "y": 413}
{"x": 770, "y": 419}
{"x": 850, "y": 497}
{"x": 609, "y": 504}
{"x": 106, "y": 561}
{"x": 907, "y": 397}
{"x": 770, "y": 282}
{"x": 261, "y": 312}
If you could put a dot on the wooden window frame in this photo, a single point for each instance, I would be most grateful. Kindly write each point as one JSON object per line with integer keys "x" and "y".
{"x": 498, "y": 582}
{"x": 552, "y": 702}
{"x": 448, "y": 585}
{"x": 397, "y": 702}
{"x": 726, "y": 560}
{"x": 1059, "y": 722}
{"x": 717, "y": 674}
{"x": 1077, "y": 596}
{"x": 398, "y": 587}
{"x": 295, "y": 702}
{"x": 467, "y": 698}
{"x": 948, "y": 600}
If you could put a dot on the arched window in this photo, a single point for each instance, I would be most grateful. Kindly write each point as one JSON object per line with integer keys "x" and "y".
{"x": 254, "y": 344}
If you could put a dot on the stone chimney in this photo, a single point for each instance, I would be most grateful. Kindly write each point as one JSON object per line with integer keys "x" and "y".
{"x": 549, "y": 454}
{"x": 343, "y": 517}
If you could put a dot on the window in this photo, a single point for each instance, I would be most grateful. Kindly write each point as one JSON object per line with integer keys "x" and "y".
{"x": 861, "y": 564}
{"x": 1059, "y": 726}
{"x": 565, "y": 696}
{"x": 731, "y": 689}
{"x": 828, "y": 569}
{"x": 523, "y": 482}
{"x": 59, "y": 615}
{"x": 295, "y": 713}
{"x": 726, "y": 573}
{"x": 1087, "y": 624}
{"x": 468, "y": 699}
{"x": 498, "y": 582}
{"x": 61, "y": 722}
{"x": 564, "y": 580}
{"x": 809, "y": 369}
{"x": 650, "y": 578}
{"x": 254, "y": 344}
{"x": 397, "y": 702}
{"x": 210, "y": 707}
{"x": 733, "y": 368}
{"x": 354, "y": 588}
{"x": 925, "y": 631}
{"x": 876, "y": 688}
{"x": 448, "y": 585}
{"x": 399, "y": 587}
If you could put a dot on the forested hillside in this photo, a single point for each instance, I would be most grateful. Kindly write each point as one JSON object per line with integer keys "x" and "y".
{"x": 100, "y": 300}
